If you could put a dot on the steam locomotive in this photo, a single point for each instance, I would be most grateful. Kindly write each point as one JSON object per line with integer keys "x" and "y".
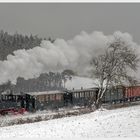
{"x": 11, "y": 103}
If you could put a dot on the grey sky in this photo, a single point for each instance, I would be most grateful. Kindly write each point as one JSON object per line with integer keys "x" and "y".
{"x": 67, "y": 20}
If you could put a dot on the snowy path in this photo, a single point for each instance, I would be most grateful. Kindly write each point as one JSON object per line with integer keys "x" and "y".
{"x": 123, "y": 122}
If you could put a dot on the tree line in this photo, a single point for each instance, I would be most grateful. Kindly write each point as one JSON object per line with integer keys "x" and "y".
{"x": 46, "y": 81}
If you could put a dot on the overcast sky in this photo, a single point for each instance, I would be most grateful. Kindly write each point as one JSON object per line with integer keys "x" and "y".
{"x": 67, "y": 20}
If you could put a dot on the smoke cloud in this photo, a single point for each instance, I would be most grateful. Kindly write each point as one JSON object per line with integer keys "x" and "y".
{"x": 74, "y": 54}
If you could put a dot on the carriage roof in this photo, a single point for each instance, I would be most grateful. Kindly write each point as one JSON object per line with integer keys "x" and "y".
{"x": 45, "y": 93}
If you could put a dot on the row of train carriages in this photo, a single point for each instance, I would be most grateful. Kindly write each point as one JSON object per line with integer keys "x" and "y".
{"x": 82, "y": 97}
{"x": 53, "y": 100}
{"x": 121, "y": 94}
{"x": 58, "y": 99}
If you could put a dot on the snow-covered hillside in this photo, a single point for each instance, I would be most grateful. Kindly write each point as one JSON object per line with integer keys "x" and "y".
{"x": 78, "y": 82}
{"x": 124, "y": 122}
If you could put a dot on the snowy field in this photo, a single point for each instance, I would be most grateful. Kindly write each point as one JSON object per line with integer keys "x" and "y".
{"x": 124, "y": 122}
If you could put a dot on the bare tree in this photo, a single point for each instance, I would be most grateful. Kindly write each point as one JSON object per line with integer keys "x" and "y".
{"x": 112, "y": 68}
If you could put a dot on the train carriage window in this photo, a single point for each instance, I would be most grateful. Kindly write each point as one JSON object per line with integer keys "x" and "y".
{"x": 14, "y": 97}
{"x": 91, "y": 93}
{"x": 86, "y": 94}
{"x": 10, "y": 97}
{"x": 52, "y": 97}
{"x": 76, "y": 95}
{"x": 47, "y": 97}
{"x": 41, "y": 98}
{"x": 59, "y": 97}
{"x": 81, "y": 94}
{"x": 6, "y": 97}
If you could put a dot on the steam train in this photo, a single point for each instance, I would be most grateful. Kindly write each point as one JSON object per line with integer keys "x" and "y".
{"x": 11, "y": 103}
{"x": 19, "y": 103}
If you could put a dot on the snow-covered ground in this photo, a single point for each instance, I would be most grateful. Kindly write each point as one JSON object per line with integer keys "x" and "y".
{"x": 124, "y": 122}
{"x": 78, "y": 82}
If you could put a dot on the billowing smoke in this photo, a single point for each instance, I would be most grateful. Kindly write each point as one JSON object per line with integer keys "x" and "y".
{"x": 74, "y": 54}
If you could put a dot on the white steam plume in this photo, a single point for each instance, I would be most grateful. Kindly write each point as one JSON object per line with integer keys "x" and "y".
{"x": 73, "y": 54}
